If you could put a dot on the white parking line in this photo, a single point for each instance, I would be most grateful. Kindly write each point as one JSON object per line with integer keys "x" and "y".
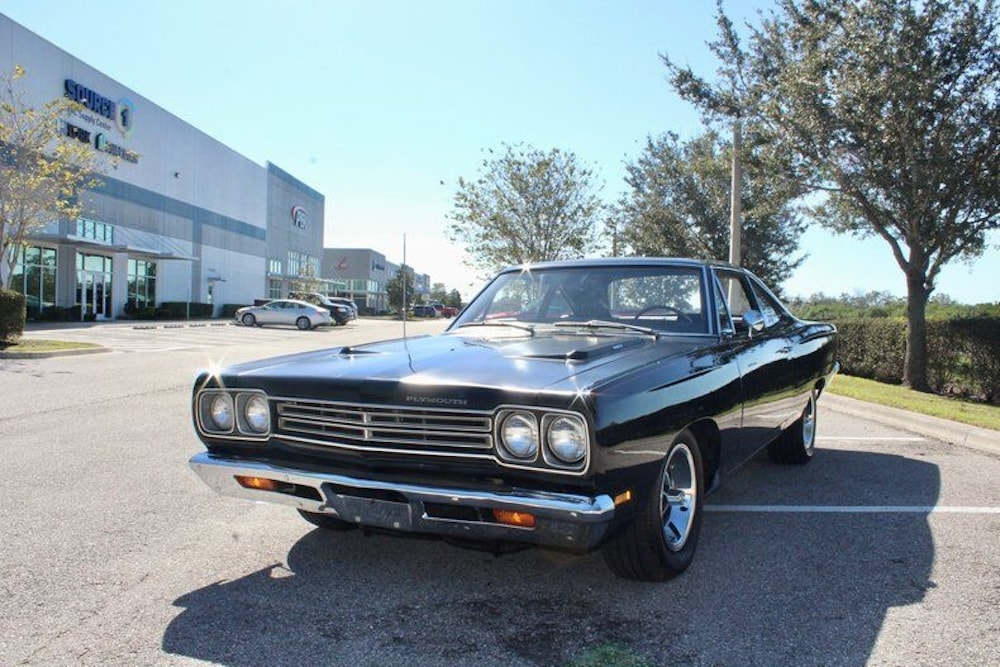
{"x": 871, "y": 438}
{"x": 851, "y": 509}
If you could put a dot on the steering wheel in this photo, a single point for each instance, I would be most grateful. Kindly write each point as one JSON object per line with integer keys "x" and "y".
{"x": 669, "y": 309}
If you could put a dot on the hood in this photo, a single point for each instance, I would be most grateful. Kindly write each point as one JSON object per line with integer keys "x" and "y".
{"x": 451, "y": 370}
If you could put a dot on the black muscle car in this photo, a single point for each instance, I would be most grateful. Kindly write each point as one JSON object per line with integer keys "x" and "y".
{"x": 571, "y": 405}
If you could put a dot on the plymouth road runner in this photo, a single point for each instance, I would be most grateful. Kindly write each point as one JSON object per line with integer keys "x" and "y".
{"x": 572, "y": 405}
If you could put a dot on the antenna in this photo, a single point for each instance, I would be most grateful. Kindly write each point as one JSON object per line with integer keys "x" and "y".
{"x": 404, "y": 281}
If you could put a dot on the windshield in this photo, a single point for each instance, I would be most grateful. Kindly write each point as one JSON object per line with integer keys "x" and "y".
{"x": 661, "y": 298}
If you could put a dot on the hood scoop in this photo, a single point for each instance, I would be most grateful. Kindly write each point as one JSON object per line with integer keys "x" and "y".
{"x": 569, "y": 349}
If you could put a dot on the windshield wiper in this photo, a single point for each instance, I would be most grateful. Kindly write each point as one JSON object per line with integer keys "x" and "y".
{"x": 605, "y": 324}
{"x": 530, "y": 328}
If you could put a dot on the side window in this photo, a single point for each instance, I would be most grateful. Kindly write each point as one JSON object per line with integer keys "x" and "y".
{"x": 722, "y": 312}
{"x": 736, "y": 299}
{"x": 770, "y": 308}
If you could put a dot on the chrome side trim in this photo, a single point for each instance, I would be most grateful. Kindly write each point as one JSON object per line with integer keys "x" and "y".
{"x": 562, "y": 519}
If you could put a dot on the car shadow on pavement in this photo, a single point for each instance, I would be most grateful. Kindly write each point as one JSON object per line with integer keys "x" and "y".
{"x": 791, "y": 588}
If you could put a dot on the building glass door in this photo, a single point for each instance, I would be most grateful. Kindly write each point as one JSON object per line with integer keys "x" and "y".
{"x": 93, "y": 286}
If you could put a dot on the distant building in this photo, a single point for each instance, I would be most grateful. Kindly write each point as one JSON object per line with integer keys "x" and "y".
{"x": 182, "y": 217}
{"x": 362, "y": 274}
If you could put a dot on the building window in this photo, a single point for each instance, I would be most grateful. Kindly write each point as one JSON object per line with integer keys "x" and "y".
{"x": 95, "y": 230}
{"x": 141, "y": 285}
{"x": 295, "y": 262}
{"x": 273, "y": 288}
{"x": 35, "y": 277}
{"x": 274, "y": 267}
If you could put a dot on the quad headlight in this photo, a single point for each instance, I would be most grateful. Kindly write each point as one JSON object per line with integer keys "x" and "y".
{"x": 220, "y": 412}
{"x": 565, "y": 438}
{"x": 518, "y": 435}
{"x": 543, "y": 439}
{"x": 243, "y": 414}
{"x": 254, "y": 413}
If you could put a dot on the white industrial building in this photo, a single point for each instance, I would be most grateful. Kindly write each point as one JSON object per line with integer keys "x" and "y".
{"x": 181, "y": 217}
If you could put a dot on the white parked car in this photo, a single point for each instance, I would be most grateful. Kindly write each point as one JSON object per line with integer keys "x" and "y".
{"x": 284, "y": 311}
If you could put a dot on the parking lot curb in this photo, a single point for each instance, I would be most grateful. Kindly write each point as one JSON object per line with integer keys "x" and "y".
{"x": 72, "y": 352}
{"x": 945, "y": 430}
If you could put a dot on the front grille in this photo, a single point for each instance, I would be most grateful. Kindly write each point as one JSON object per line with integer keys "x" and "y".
{"x": 382, "y": 428}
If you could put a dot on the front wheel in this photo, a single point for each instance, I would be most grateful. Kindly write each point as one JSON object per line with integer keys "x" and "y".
{"x": 660, "y": 543}
{"x": 248, "y": 320}
{"x": 798, "y": 443}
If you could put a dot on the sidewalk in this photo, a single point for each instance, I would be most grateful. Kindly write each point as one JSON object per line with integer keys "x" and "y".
{"x": 129, "y": 324}
{"x": 955, "y": 433}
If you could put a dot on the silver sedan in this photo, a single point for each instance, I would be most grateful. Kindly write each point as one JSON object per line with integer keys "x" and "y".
{"x": 284, "y": 311}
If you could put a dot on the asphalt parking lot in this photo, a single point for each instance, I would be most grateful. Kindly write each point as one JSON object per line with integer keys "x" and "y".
{"x": 882, "y": 551}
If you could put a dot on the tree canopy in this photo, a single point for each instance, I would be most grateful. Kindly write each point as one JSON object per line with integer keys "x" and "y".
{"x": 42, "y": 168}
{"x": 526, "y": 205}
{"x": 889, "y": 109}
{"x": 678, "y": 205}
{"x": 400, "y": 289}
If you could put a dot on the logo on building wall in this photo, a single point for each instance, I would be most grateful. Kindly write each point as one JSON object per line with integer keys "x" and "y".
{"x": 102, "y": 144}
{"x": 125, "y": 116}
{"x": 299, "y": 217}
{"x": 90, "y": 99}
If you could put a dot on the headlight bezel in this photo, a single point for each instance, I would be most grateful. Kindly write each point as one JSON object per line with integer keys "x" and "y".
{"x": 544, "y": 457}
{"x": 551, "y": 452}
{"x": 505, "y": 448}
{"x": 242, "y": 425}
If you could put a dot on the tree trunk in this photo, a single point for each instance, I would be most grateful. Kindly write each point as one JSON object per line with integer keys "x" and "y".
{"x": 915, "y": 363}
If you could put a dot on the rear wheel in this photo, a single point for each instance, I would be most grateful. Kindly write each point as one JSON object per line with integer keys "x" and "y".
{"x": 303, "y": 323}
{"x": 248, "y": 320}
{"x": 660, "y": 543}
{"x": 798, "y": 443}
{"x": 326, "y": 521}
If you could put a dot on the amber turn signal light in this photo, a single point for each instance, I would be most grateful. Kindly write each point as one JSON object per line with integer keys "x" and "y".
{"x": 519, "y": 519}
{"x": 259, "y": 483}
{"x": 623, "y": 497}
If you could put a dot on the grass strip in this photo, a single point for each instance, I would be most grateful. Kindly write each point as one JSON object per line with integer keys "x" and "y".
{"x": 945, "y": 407}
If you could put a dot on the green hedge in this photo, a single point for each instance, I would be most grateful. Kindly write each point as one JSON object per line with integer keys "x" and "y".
{"x": 963, "y": 354}
{"x": 179, "y": 310}
{"x": 13, "y": 308}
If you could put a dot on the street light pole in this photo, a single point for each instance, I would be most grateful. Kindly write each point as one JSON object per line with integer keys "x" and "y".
{"x": 736, "y": 206}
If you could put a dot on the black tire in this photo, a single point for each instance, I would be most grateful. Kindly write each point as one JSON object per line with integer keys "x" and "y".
{"x": 660, "y": 543}
{"x": 327, "y": 522}
{"x": 248, "y": 320}
{"x": 303, "y": 323}
{"x": 798, "y": 443}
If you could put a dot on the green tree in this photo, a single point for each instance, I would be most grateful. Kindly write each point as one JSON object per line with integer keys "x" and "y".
{"x": 526, "y": 205}
{"x": 307, "y": 280}
{"x": 440, "y": 294}
{"x": 678, "y": 205}
{"x": 400, "y": 288}
{"x": 43, "y": 171}
{"x": 889, "y": 108}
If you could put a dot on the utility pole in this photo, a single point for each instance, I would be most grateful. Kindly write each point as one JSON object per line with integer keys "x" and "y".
{"x": 736, "y": 205}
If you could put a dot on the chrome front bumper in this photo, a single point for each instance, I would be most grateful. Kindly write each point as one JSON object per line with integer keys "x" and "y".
{"x": 561, "y": 520}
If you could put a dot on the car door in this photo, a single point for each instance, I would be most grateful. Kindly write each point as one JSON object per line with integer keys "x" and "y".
{"x": 761, "y": 356}
{"x": 272, "y": 313}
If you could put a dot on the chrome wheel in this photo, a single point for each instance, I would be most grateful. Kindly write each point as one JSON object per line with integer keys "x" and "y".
{"x": 809, "y": 426}
{"x": 248, "y": 320}
{"x": 678, "y": 497}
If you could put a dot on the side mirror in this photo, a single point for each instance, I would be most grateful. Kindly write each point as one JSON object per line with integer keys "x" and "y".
{"x": 754, "y": 320}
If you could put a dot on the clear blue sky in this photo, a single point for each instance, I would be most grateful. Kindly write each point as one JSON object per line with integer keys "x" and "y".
{"x": 382, "y": 105}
